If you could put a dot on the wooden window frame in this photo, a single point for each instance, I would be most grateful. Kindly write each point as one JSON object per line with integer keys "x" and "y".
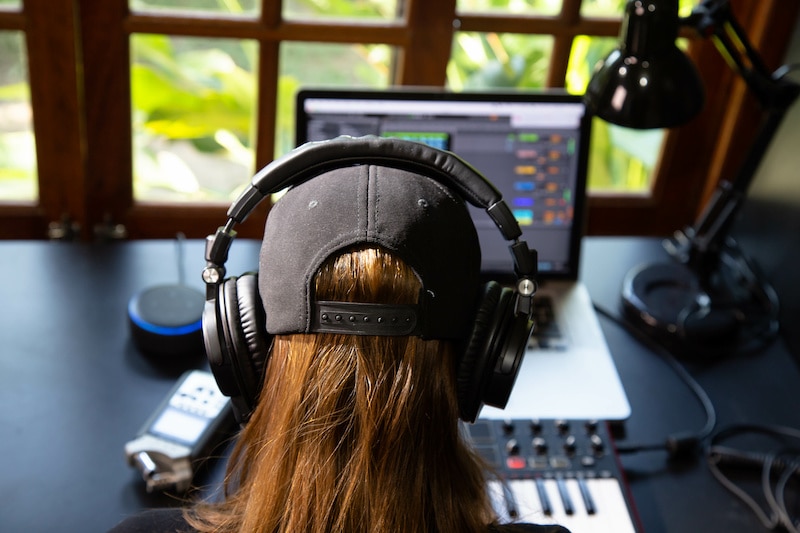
{"x": 79, "y": 63}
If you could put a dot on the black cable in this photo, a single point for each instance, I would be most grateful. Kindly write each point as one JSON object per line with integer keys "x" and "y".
{"x": 676, "y": 444}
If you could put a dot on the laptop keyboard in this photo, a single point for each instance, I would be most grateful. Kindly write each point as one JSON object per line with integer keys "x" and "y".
{"x": 547, "y": 333}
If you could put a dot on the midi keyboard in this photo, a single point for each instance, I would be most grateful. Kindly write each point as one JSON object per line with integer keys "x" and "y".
{"x": 555, "y": 471}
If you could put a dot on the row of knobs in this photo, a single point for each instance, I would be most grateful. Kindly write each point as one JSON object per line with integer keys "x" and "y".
{"x": 540, "y": 444}
{"x": 562, "y": 426}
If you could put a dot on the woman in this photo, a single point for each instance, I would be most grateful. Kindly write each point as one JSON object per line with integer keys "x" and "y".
{"x": 358, "y": 432}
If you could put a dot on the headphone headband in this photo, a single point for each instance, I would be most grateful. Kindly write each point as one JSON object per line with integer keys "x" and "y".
{"x": 445, "y": 167}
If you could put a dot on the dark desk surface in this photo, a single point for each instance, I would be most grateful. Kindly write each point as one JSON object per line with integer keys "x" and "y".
{"x": 73, "y": 389}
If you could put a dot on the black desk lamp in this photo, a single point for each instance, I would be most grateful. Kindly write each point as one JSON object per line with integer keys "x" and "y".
{"x": 701, "y": 301}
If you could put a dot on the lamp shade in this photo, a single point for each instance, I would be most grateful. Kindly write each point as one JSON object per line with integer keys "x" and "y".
{"x": 647, "y": 82}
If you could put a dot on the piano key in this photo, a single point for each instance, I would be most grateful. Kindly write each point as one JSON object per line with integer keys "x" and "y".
{"x": 588, "y": 502}
{"x": 544, "y": 499}
{"x": 563, "y": 493}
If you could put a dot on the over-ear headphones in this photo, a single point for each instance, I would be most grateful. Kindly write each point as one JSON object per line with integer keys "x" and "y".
{"x": 733, "y": 311}
{"x": 234, "y": 321}
{"x": 667, "y": 301}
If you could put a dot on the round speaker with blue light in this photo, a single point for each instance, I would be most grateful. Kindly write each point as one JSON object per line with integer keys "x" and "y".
{"x": 166, "y": 320}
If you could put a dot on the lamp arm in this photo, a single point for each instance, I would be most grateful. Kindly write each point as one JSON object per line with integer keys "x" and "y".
{"x": 715, "y": 19}
{"x": 699, "y": 245}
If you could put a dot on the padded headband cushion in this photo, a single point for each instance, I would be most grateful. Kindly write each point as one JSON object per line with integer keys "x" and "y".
{"x": 414, "y": 216}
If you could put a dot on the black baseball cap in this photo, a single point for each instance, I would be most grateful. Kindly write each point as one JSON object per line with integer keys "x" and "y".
{"x": 417, "y": 218}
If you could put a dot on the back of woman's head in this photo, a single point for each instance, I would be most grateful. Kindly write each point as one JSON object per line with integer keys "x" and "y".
{"x": 357, "y": 433}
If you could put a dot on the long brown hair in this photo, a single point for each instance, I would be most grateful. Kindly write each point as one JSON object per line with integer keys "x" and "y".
{"x": 354, "y": 433}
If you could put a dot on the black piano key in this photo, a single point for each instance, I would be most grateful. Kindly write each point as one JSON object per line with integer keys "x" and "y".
{"x": 511, "y": 502}
{"x": 566, "y": 500}
{"x": 588, "y": 501}
{"x": 547, "y": 507}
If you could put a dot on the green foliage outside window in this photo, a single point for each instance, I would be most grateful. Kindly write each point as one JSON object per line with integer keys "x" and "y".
{"x": 193, "y": 109}
{"x": 498, "y": 60}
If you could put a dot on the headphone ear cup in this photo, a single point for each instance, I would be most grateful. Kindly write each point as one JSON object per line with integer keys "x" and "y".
{"x": 510, "y": 347}
{"x": 242, "y": 323}
{"x": 489, "y": 367}
{"x": 475, "y": 367}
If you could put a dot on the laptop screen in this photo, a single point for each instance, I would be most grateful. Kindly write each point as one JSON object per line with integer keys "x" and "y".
{"x": 532, "y": 146}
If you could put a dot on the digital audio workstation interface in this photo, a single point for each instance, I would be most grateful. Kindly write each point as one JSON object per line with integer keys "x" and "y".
{"x": 529, "y": 150}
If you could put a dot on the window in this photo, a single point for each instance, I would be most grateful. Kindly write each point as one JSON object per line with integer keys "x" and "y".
{"x": 144, "y": 118}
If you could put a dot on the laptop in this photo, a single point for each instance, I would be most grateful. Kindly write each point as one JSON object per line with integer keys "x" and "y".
{"x": 534, "y": 148}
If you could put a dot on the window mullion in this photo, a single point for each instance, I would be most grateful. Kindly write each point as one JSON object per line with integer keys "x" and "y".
{"x": 266, "y": 118}
{"x": 562, "y": 44}
{"x": 268, "y": 79}
{"x": 106, "y": 76}
{"x": 56, "y": 103}
{"x": 430, "y": 34}
{"x": 271, "y": 13}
